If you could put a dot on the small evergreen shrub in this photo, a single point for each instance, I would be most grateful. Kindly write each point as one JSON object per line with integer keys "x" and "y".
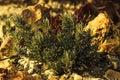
{"x": 64, "y": 50}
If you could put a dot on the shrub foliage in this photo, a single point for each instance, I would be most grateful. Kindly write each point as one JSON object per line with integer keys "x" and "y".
{"x": 64, "y": 50}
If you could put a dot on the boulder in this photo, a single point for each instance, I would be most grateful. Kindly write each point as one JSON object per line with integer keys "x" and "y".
{"x": 105, "y": 34}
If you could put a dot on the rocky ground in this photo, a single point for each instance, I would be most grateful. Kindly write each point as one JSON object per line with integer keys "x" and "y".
{"x": 106, "y": 21}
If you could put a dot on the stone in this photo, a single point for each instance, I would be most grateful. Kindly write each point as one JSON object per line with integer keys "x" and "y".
{"x": 37, "y": 77}
{"x": 105, "y": 34}
{"x": 63, "y": 77}
{"x": 28, "y": 15}
{"x": 31, "y": 14}
{"x": 88, "y": 78}
{"x": 5, "y": 45}
{"x": 112, "y": 75}
{"x": 111, "y": 46}
{"x": 98, "y": 27}
{"x": 21, "y": 75}
{"x": 75, "y": 76}
{"x": 52, "y": 77}
{"x": 11, "y": 73}
{"x": 4, "y": 64}
{"x": 115, "y": 62}
{"x": 50, "y": 74}
{"x": 1, "y": 31}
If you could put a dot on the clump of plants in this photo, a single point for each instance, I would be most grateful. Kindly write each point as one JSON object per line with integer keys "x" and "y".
{"x": 62, "y": 44}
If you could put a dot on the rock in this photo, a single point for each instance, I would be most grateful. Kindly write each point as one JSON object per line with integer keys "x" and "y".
{"x": 75, "y": 76}
{"x": 105, "y": 34}
{"x": 111, "y": 43}
{"x": 4, "y": 64}
{"x": 112, "y": 75}
{"x": 28, "y": 15}
{"x": 98, "y": 27}
{"x": 37, "y": 77}
{"x": 31, "y": 66}
{"x": 10, "y": 9}
{"x": 115, "y": 60}
{"x": 88, "y": 78}
{"x": 5, "y": 46}
{"x": 52, "y": 77}
{"x": 9, "y": 72}
{"x": 1, "y": 31}
{"x": 110, "y": 46}
{"x": 63, "y": 77}
{"x": 21, "y": 75}
{"x": 2, "y": 73}
{"x": 31, "y": 14}
{"x": 50, "y": 74}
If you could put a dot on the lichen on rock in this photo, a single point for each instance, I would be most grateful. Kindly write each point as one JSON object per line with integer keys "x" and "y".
{"x": 99, "y": 27}
{"x": 105, "y": 34}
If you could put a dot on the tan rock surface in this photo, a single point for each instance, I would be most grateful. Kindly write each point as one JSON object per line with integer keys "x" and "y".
{"x": 112, "y": 75}
{"x": 52, "y": 77}
{"x": 98, "y": 27}
{"x": 75, "y": 76}
{"x": 105, "y": 33}
{"x": 63, "y": 77}
{"x": 9, "y": 72}
{"x": 4, "y": 64}
{"x": 19, "y": 75}
{"x": 5, "y": 46}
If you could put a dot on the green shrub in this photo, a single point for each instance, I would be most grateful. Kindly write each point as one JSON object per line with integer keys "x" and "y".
{"x": 64, "y": 52}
